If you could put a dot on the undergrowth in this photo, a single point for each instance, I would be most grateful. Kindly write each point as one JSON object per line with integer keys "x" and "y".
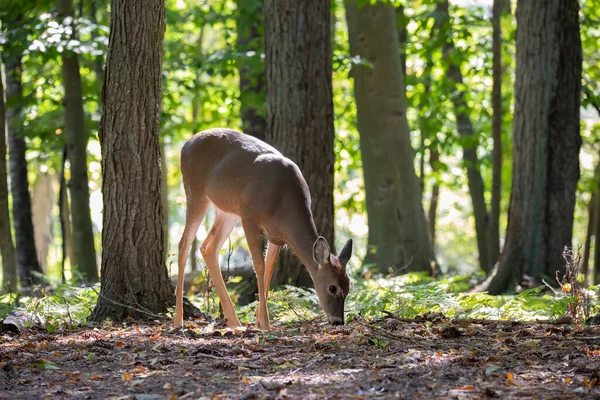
{"x": 404, "y": 296}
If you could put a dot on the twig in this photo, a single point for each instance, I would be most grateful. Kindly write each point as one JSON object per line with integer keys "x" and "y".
{"x": 126, "y": 305}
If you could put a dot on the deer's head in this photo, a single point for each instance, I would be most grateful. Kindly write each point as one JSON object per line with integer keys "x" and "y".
{"x": 331, "y": 280}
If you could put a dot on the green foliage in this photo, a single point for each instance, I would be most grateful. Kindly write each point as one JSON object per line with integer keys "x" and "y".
{"x": 64, "y": 308}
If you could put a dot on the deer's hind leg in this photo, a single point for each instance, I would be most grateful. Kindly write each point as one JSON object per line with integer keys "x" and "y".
{"x": 222, "y": 227}
{"x": 194, "y": 215}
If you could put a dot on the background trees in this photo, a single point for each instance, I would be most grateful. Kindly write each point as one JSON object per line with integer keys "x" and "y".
{"x": 451, "y": 132}
{"x": 398, "y": 237}
{"x": 83, "y": 237}
{"x": 547, "y": 140}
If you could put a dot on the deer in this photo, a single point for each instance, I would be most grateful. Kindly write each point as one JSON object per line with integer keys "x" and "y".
{"x": 246, "y": 179}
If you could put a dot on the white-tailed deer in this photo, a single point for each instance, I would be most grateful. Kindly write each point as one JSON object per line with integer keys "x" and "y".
{"x": 248, "y": 180}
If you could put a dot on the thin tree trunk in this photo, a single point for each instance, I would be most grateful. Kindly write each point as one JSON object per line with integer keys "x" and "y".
{"x": 7, "y": 248}
{"x": 300, "y": 107}
{"x": 77, "y": 138}
{"x": 434, "y": 157}
{"x": 27, "y": 259}
{"x": 398, "y": 233}
{"x": 497, "y": 114}
{"x": 546, "y": 143}
{"x": 251, "y": 67}
{"x": 590, "y": 231}
{"x": 135, "y": 281}
{"x": 98, "y": 61}
{"x": 65, "y": 220}
{"x": 469, "y": 141}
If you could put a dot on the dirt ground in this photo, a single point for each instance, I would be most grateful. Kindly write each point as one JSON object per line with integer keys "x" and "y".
{"x": 430, "y": 357}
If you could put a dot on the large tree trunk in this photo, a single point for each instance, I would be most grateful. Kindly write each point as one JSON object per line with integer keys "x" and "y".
{"x": 135, "y": 281}
{"x": 497, "y": 113}
{"x": 251, "y": 67}
{"x": 546, "y": 142}
{"x": 77, "y": 138}
{"x": 398, "y": 237}
{"x": 19, "y": 185}
{"x": 469, "y": 140}
{"x": 7, "y": 248}
{"x": 300, "y": 107}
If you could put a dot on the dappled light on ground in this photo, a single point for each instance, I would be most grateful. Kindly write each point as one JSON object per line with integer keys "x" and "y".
{"x": 430, "y": 357}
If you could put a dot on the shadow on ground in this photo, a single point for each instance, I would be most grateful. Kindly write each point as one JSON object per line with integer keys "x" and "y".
{"x": 426, "y": 358}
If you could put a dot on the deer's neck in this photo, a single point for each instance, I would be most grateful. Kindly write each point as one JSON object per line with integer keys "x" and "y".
{"x": 302, "y": 236}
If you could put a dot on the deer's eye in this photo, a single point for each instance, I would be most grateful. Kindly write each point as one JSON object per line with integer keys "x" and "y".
{"x": 332, "y": 289}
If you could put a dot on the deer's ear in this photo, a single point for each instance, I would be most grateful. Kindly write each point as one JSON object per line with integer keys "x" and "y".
{"x": 346, "y": 253}
{"x": 321, "y": 251}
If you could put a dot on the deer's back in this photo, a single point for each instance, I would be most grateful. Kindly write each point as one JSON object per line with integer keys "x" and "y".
{"x": 240, "y": 174}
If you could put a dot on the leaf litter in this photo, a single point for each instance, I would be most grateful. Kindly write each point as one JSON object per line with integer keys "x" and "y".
{"x": 386, "y": 358}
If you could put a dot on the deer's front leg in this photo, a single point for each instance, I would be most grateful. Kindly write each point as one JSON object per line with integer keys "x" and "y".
{"x": 253, "y": 234}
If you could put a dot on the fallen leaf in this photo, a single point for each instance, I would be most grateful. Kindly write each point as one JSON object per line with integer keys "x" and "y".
{"x": 95, "y": 378}
{"x": 467, "y": 387}
{"x": 168, "y": 386}
{"x": 45, "y": 364}
{"x": 510, "y": 378}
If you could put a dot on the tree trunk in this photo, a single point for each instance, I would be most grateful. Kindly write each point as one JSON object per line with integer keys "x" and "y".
{"x": 300, "y": 107}
{"x": 434, "y": 157}
{"x": 469, "y": 141}
{"x": 98, "y": 61}
{"x": 398, "y": 233}
{"x": 27, "y": 259}
{"x": 589, "y": 232}
{"x": 77, "y": 138}
{"x": 7, "y": 248}
{"x": 42, "y": 205}
{"x": 135, "y": 281}
{"x": 65, "y": 220}
{"x": 251, "y": 67}
{"x": 497, "y": 113}
{"x": 546, "y": 142}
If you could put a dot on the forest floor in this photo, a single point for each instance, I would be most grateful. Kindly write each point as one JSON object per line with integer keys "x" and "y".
{"x": 430, "y": 357}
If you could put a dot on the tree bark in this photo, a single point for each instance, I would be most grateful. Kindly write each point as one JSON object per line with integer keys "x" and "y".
{"x": 251, "y": 67}
{"x": 7, "y": 248}
{"x": 135, "y": 281}
{"x": 398, "y": 233}
{"x": 300, "y": 107}
{"x": 469, "y": 141}
{"x": 497, "y": 113}
{"x": 27, "y": 259}
{"x": 77, "y": 138}
{"x": 546, "y": 142}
